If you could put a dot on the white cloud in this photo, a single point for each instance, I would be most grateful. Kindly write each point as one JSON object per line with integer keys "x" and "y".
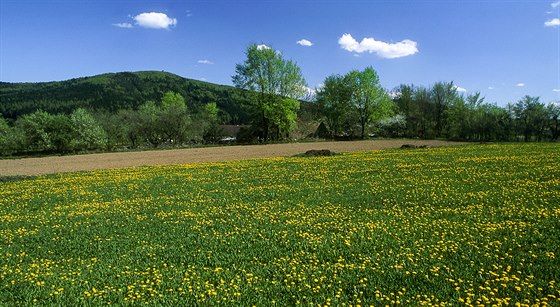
{"x": 304, "y": 42}
{"x": 520, "y": 84}
{"x": 555, "y": 4}
{"x": 208, "y": 62}
{"x": 460, "y": 89}
{"x": 155, "y": 20}
{"x": 491, "y": 87}
{"x": 385, "y": 50}
{"x": 262, "y": 46}
{"x": 556, "y": 90}
{"x": 552, "y": 23}
{"x": 125, "y": 25}
{"x": 309, "y": 91}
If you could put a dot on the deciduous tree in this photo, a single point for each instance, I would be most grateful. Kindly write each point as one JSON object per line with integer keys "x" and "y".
{"x": 88, "y": 133}
{"x": 277, "y": 83}
{"x": 333, "y": 100}
{"x": 369, "y": 99}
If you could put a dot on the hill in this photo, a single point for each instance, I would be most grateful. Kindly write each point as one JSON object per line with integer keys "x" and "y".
{"x": 122, "y": 90}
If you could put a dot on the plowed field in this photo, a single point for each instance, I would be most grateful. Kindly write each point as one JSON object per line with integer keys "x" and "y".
{"x": 61, "y": 164}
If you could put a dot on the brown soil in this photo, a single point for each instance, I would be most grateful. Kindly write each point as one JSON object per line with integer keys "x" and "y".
{"x": 61, "y": 164}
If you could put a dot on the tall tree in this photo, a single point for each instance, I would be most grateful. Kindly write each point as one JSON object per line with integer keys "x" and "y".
{"x": 369, "y": 99}
{"x": 461, "y": 116}
{"x": 173, "y": 118}
{"x": 553, "y": 111}
{"x": 443, "y": 95}
{"x": 409, "y": 101}
{"x": 277, "y": 82}
{"x": 150, "y": 127}
{"x": 333, "y": 101}
{"x": 211, "y": 131}
{"x": 530, "y": 117}
{"x": 425, "y": 110}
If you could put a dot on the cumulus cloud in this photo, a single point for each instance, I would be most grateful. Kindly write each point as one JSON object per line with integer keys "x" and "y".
{"x": 154, "y": 20}
{"x": 262, "y": 46}
{"x": 304, "y": 42}
{"x": 520, "y": 84}
{"x": 125, "y": 25}
{"x": 460, "y": 89}
{"x": 552, "y": 23}
{"x": 385, "y": 50}
{"x": 309, "y": 93}
{"x": 208, "y": 62}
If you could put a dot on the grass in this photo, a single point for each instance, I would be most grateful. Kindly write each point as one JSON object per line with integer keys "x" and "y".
{"x": 457, "y": 225}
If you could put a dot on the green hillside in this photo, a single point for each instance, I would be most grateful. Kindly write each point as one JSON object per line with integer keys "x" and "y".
{"x": 114, "y": 91}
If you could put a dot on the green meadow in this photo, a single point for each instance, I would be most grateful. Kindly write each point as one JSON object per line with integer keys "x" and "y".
{"x": 466, "y": 225}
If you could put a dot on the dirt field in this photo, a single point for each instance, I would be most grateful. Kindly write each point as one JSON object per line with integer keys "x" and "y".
{"x": 60, "y": 164}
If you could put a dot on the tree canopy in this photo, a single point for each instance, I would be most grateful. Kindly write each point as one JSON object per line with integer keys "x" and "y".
{"x": 277, "y": 84}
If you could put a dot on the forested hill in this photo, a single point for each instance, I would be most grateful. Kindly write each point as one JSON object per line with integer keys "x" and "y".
{"x": 114, "y": 91}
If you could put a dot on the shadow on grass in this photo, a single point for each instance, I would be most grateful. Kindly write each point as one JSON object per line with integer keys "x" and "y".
{"x": 15, "y": 178}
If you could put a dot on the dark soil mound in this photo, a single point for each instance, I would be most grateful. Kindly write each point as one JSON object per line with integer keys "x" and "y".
{"x": 407, "y": 146}
{"x": 319, "y": 153}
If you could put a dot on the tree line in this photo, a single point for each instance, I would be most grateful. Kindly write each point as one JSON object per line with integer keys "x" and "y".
{"x": 151, "y": 124}
{"x": 353, "y": 105}
{"x": 439, "y": 111}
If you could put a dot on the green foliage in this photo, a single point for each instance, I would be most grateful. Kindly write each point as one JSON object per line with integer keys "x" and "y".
{"x": 211, "y": 112}
{"x": 281, "y": 114}
{"x": 368, "y": 99}
{"x": 5, "y": 132}
{"x": 173, "y": 101}
{"x": 166, "y": 123}
{"x": 438, "y": 226}
{"x": 123, "y": 128}
{"x": 333, "y": 101}
{"x": 440, "y": 111}
{"x": 88, "y": 134}
{"x": 531, "y": 117}
{"x": 356, "y": 97}
{"x": 174, "y": 118}
{"x": 150, "y": 123}
{"x": 45, "y": 132}
{"x": 212, "y": 132}
{"x": 394, "y": 126}
{"x": 443, "y": 95}
{"x": 277, "y": 84}
{"x": 553, "y": 112}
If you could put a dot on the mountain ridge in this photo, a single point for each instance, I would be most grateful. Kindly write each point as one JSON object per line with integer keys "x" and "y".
{"x": 119, "y": 90}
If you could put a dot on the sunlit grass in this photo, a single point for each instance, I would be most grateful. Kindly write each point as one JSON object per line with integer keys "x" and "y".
{"x": 459, "y": 225}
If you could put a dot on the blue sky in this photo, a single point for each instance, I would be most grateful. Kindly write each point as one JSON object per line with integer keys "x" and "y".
{"x": 504, "y": 49}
